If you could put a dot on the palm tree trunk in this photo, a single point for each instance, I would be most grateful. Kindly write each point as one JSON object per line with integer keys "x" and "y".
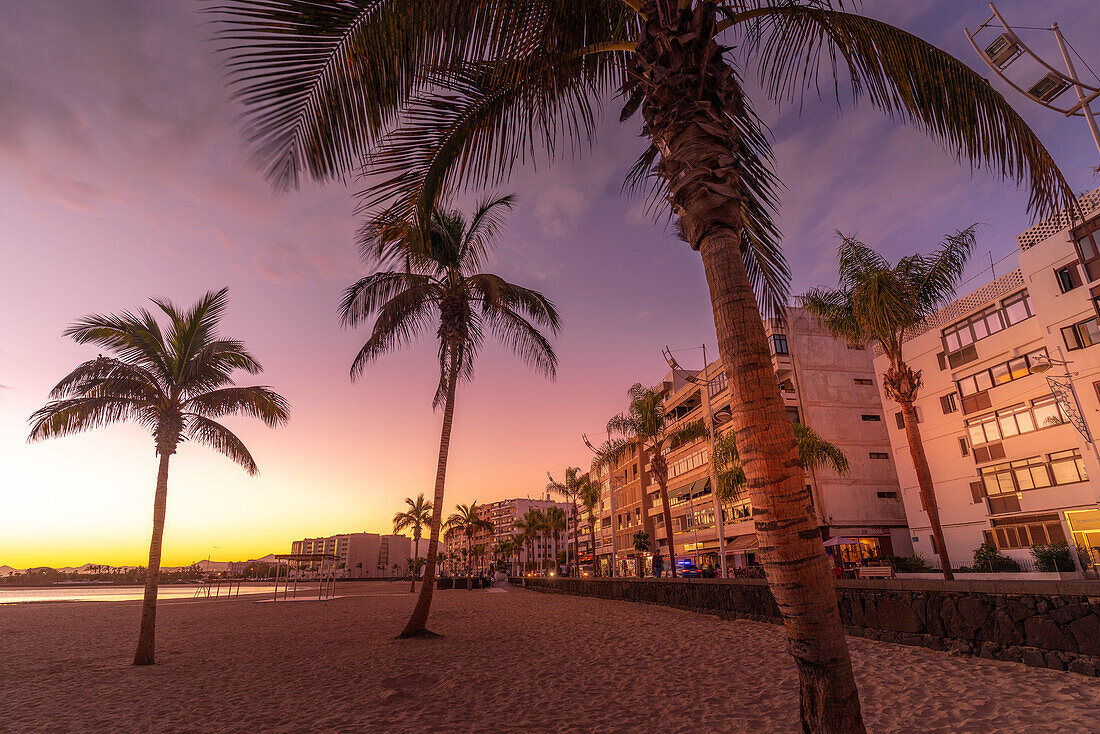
{"x": 592, "y": 539}
{"x": 666, "y": 510}
{"x": 576, "y": 542}
{"x": 924, "y": 481}
{"x": 416, "y": 556}
{"x": 417, "y": 624}
{"x": 144, "y": 655}
{"x": 691, "y": 97}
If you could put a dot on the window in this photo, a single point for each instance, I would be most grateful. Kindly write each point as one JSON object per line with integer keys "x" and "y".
{"x": 988, "y": 321}
{"x": 879, "y": 455}
{"x": 1025, "y": 531}
{"x": 792, "y": 413}
{"x": 887, "y": 495}
{"x": 1081, "y": 335}
{"x": 1061, "y": 467}
{"x": 1087, "y": 239}
{"x": 1017, "y": 308}
{"x": 942, "y": 359}
{"x": 1067, "y": 278}
{"x": 863, "y": 381}
{"x": 949, "y": 403}
{"x": 1067, "y": 467}
{"x": 899, "y": 418}
{"x": 779, "y": 343}
{"x": 1043, "y": 413}
{"x": 869, "y": 417}
{"x": 963, "y": 446}
{"x": 1002, "y": 373}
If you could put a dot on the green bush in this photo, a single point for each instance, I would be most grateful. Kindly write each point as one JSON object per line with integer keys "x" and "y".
{"x": 915, "y": 563}
{"x": 988, "y": 559}
{"x": 1052, "y": 557}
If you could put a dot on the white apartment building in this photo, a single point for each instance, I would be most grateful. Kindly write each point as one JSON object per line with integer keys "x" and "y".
{"x": 504, "y": 514}
{"x": 830, "y": 387}
{"x": 1010, "y": 445}
{"x": 362, "y": 555}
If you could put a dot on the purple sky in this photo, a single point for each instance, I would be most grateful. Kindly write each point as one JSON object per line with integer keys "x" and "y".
{"x": 123, "y": 176}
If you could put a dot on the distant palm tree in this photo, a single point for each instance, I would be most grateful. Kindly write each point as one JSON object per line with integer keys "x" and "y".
{"x": 416, "y": 517}
{"x": 641, "y": 546}
{"x": 467, "y": 520}
{"x": 556, "y": 524}
{"x": 518, "y": 541}
{"x": 645, "y": 425}
{"x": 440, "y": 284}
{"x": 877, "y": 303}
{"x": 570, "y": 489}
{"x": 531, "y": 525}
{"x": 590, "y": 494}
{"x": 174, "y": 382}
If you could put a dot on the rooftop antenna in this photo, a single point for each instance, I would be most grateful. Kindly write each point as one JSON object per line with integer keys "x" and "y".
{"x": 1006, "y": 48}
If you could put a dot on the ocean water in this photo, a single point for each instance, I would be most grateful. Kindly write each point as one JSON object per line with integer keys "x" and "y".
{"x": 17, "y": 595}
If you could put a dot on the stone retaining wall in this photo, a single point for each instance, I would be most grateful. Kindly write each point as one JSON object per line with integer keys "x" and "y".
{"x": 1051, "y": 625}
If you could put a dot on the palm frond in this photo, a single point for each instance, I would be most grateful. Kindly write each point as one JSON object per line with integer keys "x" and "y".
{"x": 816, "y": 452}
{"x": 72, "y": 415}
{"x": 216, "y": 436}
{"x": 368, "y": 294}
{"x": 256, "y": 401}
{"x": 485, "y": 227}
{"x": 400, "y": 320}
{"x": 109, "y": 376}
{"x": 910, "y": 79}
{"x": 940, "y": 272}
{"x": 685, "y": 434}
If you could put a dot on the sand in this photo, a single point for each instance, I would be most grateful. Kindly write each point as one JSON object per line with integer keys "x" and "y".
{"x": 511, "y": 660}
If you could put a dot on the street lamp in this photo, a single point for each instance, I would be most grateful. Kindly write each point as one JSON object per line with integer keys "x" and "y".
{"x": 1066, "y": 395}
{"x": 611, "y": 500}
{"x": 1007, "y": 47}
{"x": 704, "y": 384}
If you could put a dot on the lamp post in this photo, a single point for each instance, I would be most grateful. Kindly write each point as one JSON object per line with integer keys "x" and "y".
{"x": 1007, "y": 47}
{"x": 611, "y": 502}
{"x": 704, "y": 383}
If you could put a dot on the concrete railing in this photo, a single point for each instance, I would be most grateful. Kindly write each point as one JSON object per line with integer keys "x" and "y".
{"x": 1050, "y": 624}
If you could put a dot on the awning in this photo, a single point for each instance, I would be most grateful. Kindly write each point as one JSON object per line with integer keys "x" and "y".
{"x": 696, "y": 488}
{"x": 840, "y": 541}
{"x": 742, "y": 543}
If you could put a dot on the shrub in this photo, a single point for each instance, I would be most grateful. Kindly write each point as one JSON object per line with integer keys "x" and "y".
{"x": 1053, "y": 557}
{"x": 987, "y": 558}
{"x": 915, "y": 563}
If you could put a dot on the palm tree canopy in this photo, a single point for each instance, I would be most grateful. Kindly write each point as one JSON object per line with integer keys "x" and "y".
{"x": 441, "y": 96}
{"x": 569, "y": 488}
{"x": 467, "y": 520}
{"x": 646, "y": 424}
{"x": 174, "y": 379}
{"x": 441, "y": 286}
{"x": 589, "y": 493}
{"x": 878, "y": 302}
{"x": 556, "y": 521}
{"x": 813, "y": 450}
{"x": 418, "y": 514}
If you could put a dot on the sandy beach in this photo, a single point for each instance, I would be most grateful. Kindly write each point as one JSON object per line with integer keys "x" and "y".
{"x": 511, "y": 660}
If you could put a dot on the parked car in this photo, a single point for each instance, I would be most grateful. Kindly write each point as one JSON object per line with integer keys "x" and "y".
{"x": 688, "y": 570}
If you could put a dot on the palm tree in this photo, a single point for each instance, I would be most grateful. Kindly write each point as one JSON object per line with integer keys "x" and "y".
{"x": 570, "y": 489}
{"x": 174, "y": 380}
{"x": 590, "y": 495}
{"x": 641, "y": 546}
{"x": 469, "y": 88}
{"x": 556, "y": 524}
{"x": 531, "y": 525}
{"x": 467, "y": 520}
{"x": 415, "y": 517}
{"x": 518, "y": 540}
{"x": 440, "y": 284}
{"x": 645, "y": 425}
{"x": 877, "y": 303}
{"x": 502, "y": 549}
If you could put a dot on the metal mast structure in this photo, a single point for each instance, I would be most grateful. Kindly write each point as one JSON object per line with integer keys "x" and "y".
{"x": 1001, "y": 52}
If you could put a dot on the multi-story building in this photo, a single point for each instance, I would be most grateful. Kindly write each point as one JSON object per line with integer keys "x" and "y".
{"x": 1007, "y": 431}
{"x": 826, "y": 384}
{"x": 362, "y": 555}
{"x": 503, "y": 514}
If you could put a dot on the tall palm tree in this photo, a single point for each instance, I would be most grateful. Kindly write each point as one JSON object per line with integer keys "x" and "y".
{"x": 469, "y": 88}
{"x": 570, "y": 490}
{"x": 645, "y": 425}
{"x": 467, "y": 520}
{"x": 174, "y": 380}
{"x": 440, "y": 284}
{"x": 556, "y": 524}
{"x": 531, "y": 526}
{"x": 418, "y": 514}
{"x": 876, "y": 303}
{"x": 590, "y": 495}
{"x": 518, "y": 541}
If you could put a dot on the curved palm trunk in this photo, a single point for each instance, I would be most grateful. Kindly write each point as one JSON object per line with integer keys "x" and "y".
{"x": 416, "y": 559}
{"x": 666, "y": 511}
{"x": 592, "y": 540}
{"x": 691, "y": 94}
{"x": 924, "y": 481}
{"x": 144, "y": 655}
{"x": 417, "y": 624}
